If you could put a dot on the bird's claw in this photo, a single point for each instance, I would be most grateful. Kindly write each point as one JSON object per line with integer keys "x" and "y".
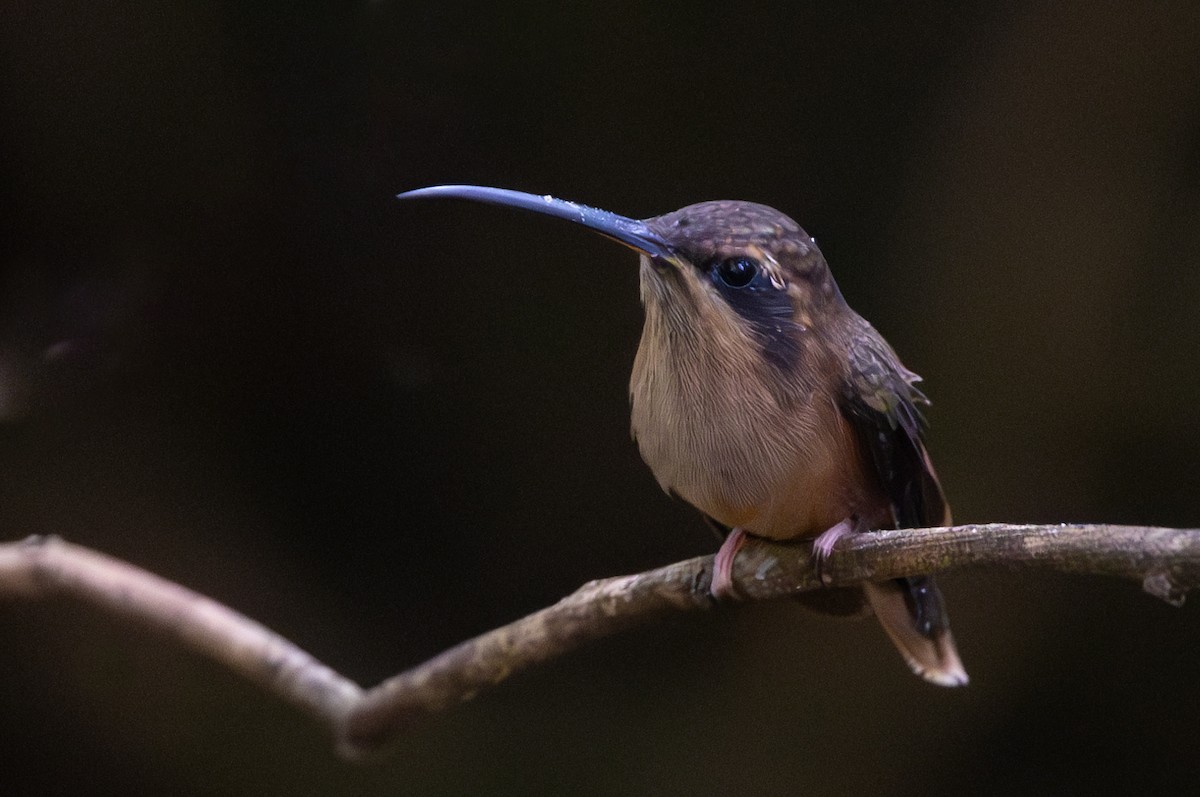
{"x": 722, "y": 581}
{"x": 822, "y": 546}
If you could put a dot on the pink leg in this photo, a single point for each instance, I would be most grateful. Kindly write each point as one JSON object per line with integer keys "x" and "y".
{"x": 823, "y": 544}
{"x": 722, "y": 580}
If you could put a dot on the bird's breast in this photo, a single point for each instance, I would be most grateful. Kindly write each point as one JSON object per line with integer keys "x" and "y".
{"x": 780, "y": 463}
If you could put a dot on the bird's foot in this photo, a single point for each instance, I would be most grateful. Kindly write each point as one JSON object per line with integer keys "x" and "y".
{"x": 722, "y": 580}
{"x": 822, "y": 546}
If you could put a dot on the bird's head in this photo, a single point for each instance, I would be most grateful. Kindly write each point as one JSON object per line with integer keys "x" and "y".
{"x": 724, "y": 266}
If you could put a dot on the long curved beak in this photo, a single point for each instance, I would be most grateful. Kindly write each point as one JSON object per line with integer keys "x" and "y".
{"x": 631, "y": 232}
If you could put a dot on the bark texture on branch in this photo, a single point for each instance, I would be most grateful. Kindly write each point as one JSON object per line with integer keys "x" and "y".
{"x": 1165, "y": 561}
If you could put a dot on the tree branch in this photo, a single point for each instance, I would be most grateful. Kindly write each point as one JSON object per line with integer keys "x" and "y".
{"x": 1165, "y": 561}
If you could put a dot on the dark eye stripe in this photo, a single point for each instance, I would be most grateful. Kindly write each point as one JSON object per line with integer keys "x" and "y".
{"x": 766, "y": 308}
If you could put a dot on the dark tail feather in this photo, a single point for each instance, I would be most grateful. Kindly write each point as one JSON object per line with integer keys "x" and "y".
{"x": 913, "y": 615}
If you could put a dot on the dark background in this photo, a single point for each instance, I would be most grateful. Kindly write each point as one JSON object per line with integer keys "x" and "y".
{"x": 228, "y": 355}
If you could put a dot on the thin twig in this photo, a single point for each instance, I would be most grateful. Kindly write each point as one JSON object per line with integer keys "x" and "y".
{"x": 1165, "y": 561}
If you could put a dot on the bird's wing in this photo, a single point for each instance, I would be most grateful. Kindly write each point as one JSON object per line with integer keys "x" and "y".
{"x": 882, "y": 403}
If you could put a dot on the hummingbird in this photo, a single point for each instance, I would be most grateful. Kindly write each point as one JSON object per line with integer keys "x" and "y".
{"x": 760, "y": 398}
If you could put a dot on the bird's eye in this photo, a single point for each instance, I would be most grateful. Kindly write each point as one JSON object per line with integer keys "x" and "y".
{"x": 737, "y": 272}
